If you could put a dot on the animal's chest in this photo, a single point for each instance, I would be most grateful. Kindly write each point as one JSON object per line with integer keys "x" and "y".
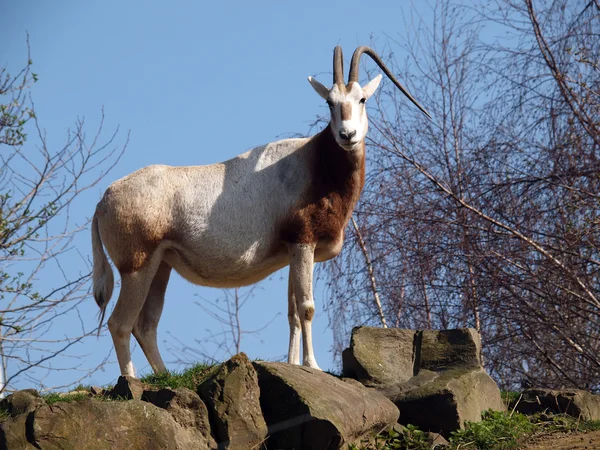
{"x": 321, "y": 222}
{"x": 328, "y": 217}
{"x": 324, "y": 211}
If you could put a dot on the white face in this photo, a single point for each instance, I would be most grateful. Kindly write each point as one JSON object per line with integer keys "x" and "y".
{"x": 349, "y": 122}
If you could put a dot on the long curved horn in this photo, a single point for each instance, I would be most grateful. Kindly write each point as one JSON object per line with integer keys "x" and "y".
{"x": 338, "y": 66}
{"x": 353, "y": 75}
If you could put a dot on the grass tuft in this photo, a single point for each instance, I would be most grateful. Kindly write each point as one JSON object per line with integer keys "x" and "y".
{"x": 189, "y": 378}
{"x": 55, "y": 397}
{"x": 497, "y": 430}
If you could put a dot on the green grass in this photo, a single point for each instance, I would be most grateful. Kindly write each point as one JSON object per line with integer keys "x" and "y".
{"x": 82, "y": 387}
{"x": 496, "y": 431}
{"x": 410, "y": 439}
{"x": 189, "y": 378}
{"x": 55, "y": 397}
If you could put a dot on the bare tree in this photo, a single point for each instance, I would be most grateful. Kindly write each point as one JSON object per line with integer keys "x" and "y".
{"x": 488, "y": 216}
{"x": 224, "y": 341}
{"x": 40, "y": 187}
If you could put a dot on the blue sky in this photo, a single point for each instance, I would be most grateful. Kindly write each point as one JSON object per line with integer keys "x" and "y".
{"x": 195, "y": 83}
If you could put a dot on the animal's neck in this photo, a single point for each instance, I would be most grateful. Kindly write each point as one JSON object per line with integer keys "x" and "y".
{"x": 340, "y": 171}
{"x": 337, "y": 178}
{"x": 346, "y": 162}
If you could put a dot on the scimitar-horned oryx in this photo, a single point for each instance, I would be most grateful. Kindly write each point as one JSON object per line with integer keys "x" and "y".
{"x": 234, "y": 223}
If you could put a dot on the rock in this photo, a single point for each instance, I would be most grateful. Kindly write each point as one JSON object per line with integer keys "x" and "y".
{"x": 186, "y": 407}
{"x": 456, "y": 396}
{"x": 436, "y": 440}
{"x": 309, "y": 409}
{"x": 574, "y": 402}
{"x": 385, "y": 356}
{"x": 21, "y": 402}
{"x": 446, "y": 349}
{"x": 427, "y": 371}
{"x": 232, "y": 396}
{"x": 73, "y": 393}
{"x": 97, "y": 390}
{"x": 93, "y": 425}
{"x": 379, "y": 356}
{"x": 127, "y": 388}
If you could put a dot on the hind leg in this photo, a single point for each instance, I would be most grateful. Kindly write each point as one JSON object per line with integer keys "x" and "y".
{"x": 146, "y": 325}
{"x": 134, "y": 289}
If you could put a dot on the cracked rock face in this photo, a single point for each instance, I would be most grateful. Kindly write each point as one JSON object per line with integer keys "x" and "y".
{"x": 434, "y": 377}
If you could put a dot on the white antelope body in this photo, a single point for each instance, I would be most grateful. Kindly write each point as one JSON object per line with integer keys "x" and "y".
{"x": 232, "y": 224}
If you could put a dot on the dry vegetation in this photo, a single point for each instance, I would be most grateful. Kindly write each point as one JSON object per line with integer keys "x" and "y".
{"x": 487, "y": 216}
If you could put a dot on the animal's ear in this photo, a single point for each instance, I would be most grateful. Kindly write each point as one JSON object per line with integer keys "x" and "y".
{"x": 371, "y": 86}
{"x": 321, "y": 89}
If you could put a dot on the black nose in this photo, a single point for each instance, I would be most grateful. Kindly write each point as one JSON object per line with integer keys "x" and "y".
{"x": 347, "y": 136}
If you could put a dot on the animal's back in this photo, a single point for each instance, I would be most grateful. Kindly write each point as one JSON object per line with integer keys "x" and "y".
{"x": 217, "y": 224}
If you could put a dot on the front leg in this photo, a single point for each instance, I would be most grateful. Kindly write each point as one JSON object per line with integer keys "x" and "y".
{"x": 302, "y": 258}
{"x": 295, "y": 330}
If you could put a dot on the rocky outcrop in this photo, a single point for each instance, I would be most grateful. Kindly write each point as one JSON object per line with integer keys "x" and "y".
{"x": 577, "y": 403}
{"x": 309, "y": 409}
{"x": 303, "y": 408}
{"x": 167, "y": 418}
{"x": 232, "y": 396}
{"x": 94, "y": 424}
{"x": 434, "y": 377}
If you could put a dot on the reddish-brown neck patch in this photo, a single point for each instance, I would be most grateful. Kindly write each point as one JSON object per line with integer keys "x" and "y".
{"x": 338, "y": 179}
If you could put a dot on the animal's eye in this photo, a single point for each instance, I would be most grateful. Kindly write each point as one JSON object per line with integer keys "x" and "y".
{"x": 363, "y": 100}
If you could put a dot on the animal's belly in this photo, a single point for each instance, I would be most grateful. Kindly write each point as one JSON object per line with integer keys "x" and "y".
{"x": 217, "y": 266}
{"x": 223, "y": 273}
